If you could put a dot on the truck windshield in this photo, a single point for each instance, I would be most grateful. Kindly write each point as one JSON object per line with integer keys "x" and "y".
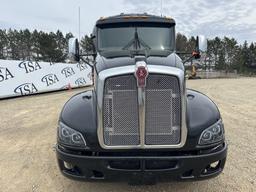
{"x": 155, "y": 38}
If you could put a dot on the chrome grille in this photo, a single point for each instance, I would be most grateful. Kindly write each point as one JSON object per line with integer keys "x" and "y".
{"x": 120, "y": 113}
{"x": 163, "y": 111}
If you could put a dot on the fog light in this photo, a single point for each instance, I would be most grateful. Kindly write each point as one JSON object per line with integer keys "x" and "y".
{"x": 211, "y": 168}
{"x": 205, "y": 171}
{"x": 68, "y": 165}
{"x": 214, "y": 164}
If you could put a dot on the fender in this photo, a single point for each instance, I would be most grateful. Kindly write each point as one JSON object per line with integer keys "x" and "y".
{"x": 202, "y": 112}
{"x": 80, "y": 113}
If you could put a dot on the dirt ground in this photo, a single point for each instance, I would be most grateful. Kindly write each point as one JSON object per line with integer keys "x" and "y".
{"x": 28, "y": 134}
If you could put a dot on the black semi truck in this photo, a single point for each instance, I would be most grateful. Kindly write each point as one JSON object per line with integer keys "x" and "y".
{"x": 139, "y": 122}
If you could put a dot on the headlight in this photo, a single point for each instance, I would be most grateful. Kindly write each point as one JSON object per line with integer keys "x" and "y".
{"x": 69, "y": 136}
{"x": 212, "y": 134}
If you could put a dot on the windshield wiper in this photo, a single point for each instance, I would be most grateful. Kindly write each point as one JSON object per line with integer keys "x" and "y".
{"x": 137, "y": 43}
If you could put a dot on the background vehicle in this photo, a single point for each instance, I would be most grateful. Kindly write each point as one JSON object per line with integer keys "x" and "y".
{"x": 139, "y": 122}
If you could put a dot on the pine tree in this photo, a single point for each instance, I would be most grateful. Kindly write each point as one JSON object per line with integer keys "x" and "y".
{"x": 181, "y": 43}
{"x": 35, "y": 45}
{"x": 87, "y": 44}
{"x": 13, "y": 44}
{"x": 252, "y": 55}
{"x": 3, "y": 43}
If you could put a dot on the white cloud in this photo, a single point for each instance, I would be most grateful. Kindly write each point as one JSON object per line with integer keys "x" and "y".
{"x": 234, "y": 18}
{"x": 51, "y": 15}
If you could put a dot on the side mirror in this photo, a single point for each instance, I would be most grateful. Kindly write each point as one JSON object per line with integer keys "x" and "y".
{"x": 201, "y": 46}
{"x": 202, "y": 43}
{"x": 93, "y": 38}
{"x": 73, "y": 50}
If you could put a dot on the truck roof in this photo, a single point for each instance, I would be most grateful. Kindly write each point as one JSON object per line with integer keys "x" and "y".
{"x": 134, "y": 18}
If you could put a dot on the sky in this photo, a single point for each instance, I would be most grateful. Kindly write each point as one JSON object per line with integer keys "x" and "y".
{"x": 232, "y": 18}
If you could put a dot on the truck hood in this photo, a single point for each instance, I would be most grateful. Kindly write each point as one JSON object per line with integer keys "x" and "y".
{"x": 171, "y": 60}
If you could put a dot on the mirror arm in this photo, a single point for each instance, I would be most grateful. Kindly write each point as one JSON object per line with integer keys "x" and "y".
{"x": 90, "y": 65}
{"x": 182, "y": 53}
{"x": 191, "y": 57}
{"x": 85, "y": 61}
{"x": 92, "y": 36}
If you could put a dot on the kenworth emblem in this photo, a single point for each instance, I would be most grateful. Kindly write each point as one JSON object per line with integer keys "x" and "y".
{"x": 141, "y": 73}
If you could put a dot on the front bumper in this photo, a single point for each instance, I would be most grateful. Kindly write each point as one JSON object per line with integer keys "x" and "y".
{"x": 141, "y": 167}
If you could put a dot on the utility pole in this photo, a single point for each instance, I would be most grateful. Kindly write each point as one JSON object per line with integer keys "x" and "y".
{"x": 161, "y": 8}
{"x": 79, "y": 23}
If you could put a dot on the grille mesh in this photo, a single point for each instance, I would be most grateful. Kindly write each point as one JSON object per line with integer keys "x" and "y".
{"x": 162, "y": 126}
{"x": 121, "y": 119}
{"x": 120, "y": 111}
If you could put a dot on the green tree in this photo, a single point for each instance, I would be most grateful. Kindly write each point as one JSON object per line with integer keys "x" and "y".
{"x": 48, "y": 47}
{"x": 3, "y": 43}
{"x": 87, "y": 44}
{"x": 191, "y": 44}
{"x": 252, "y": 55}
{"x": 61, "y": 43}
{"x": 13, "y": 44}
{"x": 68, "y": 36}
{"x": 181, "y": 43}
{"x": 35, "y": 45}
{"x": 214, "y": 49}
{"x": 230, "y": 49}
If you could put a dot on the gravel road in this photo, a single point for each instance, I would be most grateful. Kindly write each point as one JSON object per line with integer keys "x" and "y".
{"x": 28, "y": 134}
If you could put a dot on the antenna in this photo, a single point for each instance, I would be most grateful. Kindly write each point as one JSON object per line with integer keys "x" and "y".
{"x": 161, "y": 7}
{"x": 79, "y": 23}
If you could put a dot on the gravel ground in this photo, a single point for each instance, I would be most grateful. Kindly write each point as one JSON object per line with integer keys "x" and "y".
{"x": 28, "y": 134}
